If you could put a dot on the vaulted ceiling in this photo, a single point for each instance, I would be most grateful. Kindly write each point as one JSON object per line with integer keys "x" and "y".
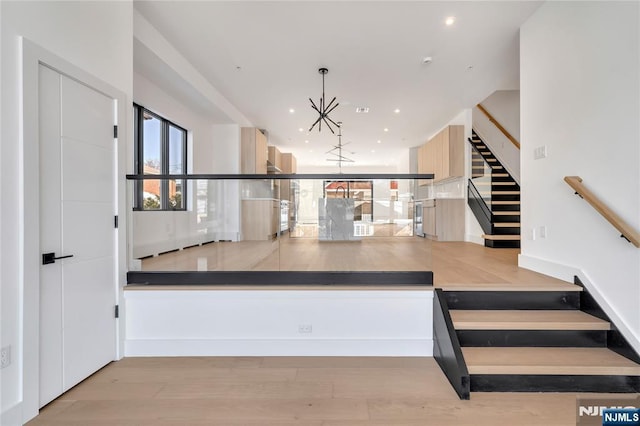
{"x": 264, "y": 58}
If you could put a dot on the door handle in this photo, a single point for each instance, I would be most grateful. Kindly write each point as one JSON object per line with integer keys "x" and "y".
{"x": 48, "y": 258}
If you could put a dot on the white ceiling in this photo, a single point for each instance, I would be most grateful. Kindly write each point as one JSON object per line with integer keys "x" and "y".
{"x": 264, "y": 58}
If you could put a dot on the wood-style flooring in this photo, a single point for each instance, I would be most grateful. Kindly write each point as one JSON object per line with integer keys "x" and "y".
{"x": 280, "y": 391}
{"x": 455, "y": 264}
{"x": 319, "y": 391}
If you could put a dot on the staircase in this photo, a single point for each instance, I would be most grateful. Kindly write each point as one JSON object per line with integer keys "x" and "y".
{"x": 494, "y": 197}
{"x": 533, "y": 338}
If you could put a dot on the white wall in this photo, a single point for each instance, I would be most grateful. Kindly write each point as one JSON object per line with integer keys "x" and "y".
{"x": 266, "y": 323}
{"x": 580, "y": 96}
{"x": 101, "y": 47}
{"x": 504, "y": 106}
{"x": 212, "y": 148}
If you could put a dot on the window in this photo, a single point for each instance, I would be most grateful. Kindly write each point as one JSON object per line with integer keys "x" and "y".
{"x": 361, "y": 191}
{"x": 161, "y": 149}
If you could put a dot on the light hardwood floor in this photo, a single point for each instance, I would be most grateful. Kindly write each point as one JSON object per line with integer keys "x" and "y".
{"x": 454, "y": 264}
{"x": 292, "y": 391}
{"x": 317, "y": 391}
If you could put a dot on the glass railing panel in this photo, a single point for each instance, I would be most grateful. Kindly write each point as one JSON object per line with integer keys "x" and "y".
{"x": 481, "y": 176}
{"x": 266, "y": 224}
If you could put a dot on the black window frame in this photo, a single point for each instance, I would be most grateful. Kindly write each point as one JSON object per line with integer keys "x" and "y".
{"x": 139, "y": 112}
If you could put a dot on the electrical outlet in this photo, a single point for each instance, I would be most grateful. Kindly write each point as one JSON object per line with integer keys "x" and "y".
{"x": 543, "y": 232}
{"x": 5, "y": 356}
{"x": 540, "y": 152}
{"x": 305, "y": 328}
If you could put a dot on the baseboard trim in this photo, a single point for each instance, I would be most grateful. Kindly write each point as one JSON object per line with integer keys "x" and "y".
{"x": 476, "y": 239}
{"x": 12, "y": 416}
{"x": 547, "y": 267}
{"x": 279, "y": 347}
{"x": 617, "y": 324}
{"x": 567, "y": 273}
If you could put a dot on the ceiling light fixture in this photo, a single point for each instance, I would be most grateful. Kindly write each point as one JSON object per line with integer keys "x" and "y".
{"x": 386, "y": 130}
{"x": 450, "y": 20}
{"x": 324, "y": 109}
{"x": 397, "y": 110}
{"x": 337, "y": 150}
{"x": 291, "y": 110}
{"x": 301, "y": 129}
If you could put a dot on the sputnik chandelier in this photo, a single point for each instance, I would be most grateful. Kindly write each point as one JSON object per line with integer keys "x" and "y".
{"x": 337, "y": 150}
{"x": 324, "y": 109}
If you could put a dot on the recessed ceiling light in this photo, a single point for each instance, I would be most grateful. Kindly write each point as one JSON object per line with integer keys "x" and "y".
{"x": 379, "y": 141}
{"x": 306, "y": 141}
{"x": 291, "y": 110}
{"x": 300, "y": 129}
{"x": 373, "y": 150}
{"x": 386, "y": 130}
{"x": 450, "y": 20}
{"x": 397, "y": 110}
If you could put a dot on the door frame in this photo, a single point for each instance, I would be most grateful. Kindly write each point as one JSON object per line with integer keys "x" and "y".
{"x": 33, "y": 56}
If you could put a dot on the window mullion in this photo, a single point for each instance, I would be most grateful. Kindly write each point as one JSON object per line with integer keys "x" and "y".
{"x": 164, "y": 156}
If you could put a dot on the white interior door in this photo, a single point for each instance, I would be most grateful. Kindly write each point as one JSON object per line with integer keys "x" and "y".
{"x": 77, "y": 208}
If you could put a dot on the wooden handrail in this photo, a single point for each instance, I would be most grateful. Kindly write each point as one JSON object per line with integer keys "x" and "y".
{"x": 625, "y": 229}
{"x": 499, "y": 126}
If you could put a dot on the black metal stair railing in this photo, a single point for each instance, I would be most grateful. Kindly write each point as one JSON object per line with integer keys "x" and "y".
{"x": 479, "y": 208}
{"x": 481, "y": 173}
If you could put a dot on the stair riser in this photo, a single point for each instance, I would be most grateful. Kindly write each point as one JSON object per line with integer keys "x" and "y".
{"x": 506, "y": 218}
{"x": 553, "y": 383}
{"x": 533, "y": 338}
{"x": 505, "y": 197}
{"x": 512, "y": 299}
{"x": 504, "y": 179}
{"x": 501, "y": 244}
{"x": 505, "y": 207}
{"x": 495, "y": 187}
{"x": 505, "y": 231}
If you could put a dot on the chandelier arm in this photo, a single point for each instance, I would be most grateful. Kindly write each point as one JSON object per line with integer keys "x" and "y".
{"x": 327, "y": 123}
{"x": 334, "y": 123}
{"x": 329, "y": 106}
{"x": 314, "y": 124}
{"x": 313, "y": 105}
{"x": 329, "y": 112}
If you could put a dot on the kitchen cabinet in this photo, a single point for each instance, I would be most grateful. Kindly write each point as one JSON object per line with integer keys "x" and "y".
{"x": 443, "y": 154}
{"x": 260, "y": 219}
{"x": 443, "y": 219}
{"x": 289, "y": 167}
{"x": 289, "y": 164}
{"x": 274, "y": 160}
{"x": 253, "y": 151}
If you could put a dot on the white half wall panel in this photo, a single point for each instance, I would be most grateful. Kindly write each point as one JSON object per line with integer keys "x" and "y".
{"x": 221, "y": 322}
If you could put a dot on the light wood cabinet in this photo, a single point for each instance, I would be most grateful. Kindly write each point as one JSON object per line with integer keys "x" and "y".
{"x": 443, "y": 154}
{"x": 289, "y": 167}
{"x": 289, "y": 164}
{"x": 443, "y": 219}
{"x": 253, "y": 151}
{"x": 274, "y": 158}
{"x": 260, "y": 219}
